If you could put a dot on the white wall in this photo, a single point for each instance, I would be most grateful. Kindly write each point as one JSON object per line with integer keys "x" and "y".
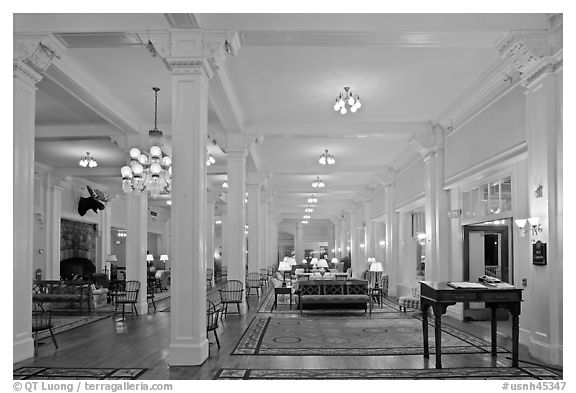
{"x": 496, "y": 129}
{"x": 410, "y": 183}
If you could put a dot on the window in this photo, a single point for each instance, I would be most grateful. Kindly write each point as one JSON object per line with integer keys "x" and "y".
{"x": 488, "y": 199}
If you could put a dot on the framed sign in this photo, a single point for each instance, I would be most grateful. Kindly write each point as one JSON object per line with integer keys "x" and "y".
{"x": 539, "y": 253}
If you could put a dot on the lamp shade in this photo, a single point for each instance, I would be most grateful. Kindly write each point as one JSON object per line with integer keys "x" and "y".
{"x": 149, "y": 257}
{"x": 322, "y": 263}
{"x": 334, "y": 260}
{"x": 376, "y": 267}
{"x": 292, "y": 261}
{"x": 304, "y": 261}
{"x": 111, "y": 258}
{"x": 314, "y": 261}
{"x": 163, "y": 257}
{"x": 284, "y": 266}
{"x": 371, "y": 260}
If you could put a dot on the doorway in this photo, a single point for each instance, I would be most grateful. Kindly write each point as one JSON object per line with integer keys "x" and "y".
{"x": 487, "y": 251}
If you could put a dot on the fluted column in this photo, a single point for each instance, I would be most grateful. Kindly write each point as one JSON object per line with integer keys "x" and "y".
{"x": 53, "y": 219}
{"x": 235, "y": 220}
{"x": 137, "y": 244}
{"x": 210, "y": 205}
{"x": 254, "y": 223}
{"x": 357, "y": 258}
{"x": 343, "y": 250}
{"x": 392, "y": 239}
{"x": 264, "y": 232}
{"x": 32, "y": 56}
{"x": 369, "y": 249}
{"x": 331, "y": 242}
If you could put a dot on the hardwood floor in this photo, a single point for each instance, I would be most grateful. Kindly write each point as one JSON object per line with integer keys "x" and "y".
{"x": 143, "y": 342}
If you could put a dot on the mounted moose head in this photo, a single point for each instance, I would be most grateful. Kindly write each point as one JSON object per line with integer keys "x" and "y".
{"x": 94, "y": 201}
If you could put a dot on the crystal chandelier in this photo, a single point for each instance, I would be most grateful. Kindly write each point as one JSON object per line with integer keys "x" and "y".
{"x": 150, "y": 171}
{"x": 326, "y": 159}
{"x": 308, "y": 209}
{"x": 347, "y": 99}
{"x": 312, "y": 199}
{"x": 88, "y": 161}
{"x": 317, "y": 183}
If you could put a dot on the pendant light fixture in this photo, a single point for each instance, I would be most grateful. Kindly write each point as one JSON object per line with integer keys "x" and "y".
{"x": 317, "y": 183}
{"x": 326, "y": 159}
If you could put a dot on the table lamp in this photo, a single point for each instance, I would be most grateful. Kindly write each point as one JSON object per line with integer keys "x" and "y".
{"x": 322, "y": 264}
{"x": 108, "y": 268}
{"x": 284, "y": 267}
{"x": 314, "y": 261}
{"x": 334, "y": 261}
{"x": 376, "y": 267}
{"x": 164, "y": 258}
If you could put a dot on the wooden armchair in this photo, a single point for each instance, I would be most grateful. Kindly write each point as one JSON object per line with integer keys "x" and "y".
{"x": 209, "y": 274}
{"x": 126, "y": 293}
{"x": 232, "y": 292}
{"x": 41, "y": 320}
{"x": 253, "y": 281}
{"x": 212, "y": 320}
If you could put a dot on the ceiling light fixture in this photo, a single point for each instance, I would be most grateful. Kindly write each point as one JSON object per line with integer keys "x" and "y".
{"x": 308, "y": 209}
{"x": 347, "y": 99}
{"x": 225, "y": 184}
{"x": 88, "y": 161}
{"x": 169, "y": 202}
{"x": 312, "y": 199}
{"x": 304, "y": 222}
{"x": 306, "y": 217}
{"x": 326, "y": 159}
{"x": 150, "y": 171}
{"x": 317, "y": 183}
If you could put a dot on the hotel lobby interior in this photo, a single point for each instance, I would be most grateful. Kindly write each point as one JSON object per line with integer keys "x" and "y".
{"x": 288, "y": 196}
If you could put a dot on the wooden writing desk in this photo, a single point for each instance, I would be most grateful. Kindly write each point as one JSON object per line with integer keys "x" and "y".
{"x": 439, "y": 295}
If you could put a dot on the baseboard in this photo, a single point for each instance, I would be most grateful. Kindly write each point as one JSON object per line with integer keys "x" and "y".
{"x": 23, "y": 349}
{"x": 547, "y": 353}
{"x": 187, "y": 354}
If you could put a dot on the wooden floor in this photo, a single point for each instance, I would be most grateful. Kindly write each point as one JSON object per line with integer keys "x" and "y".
{"x": 143, "y": 342}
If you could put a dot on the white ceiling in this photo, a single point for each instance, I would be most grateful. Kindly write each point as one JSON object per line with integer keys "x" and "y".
{"x": 407, "y": 68}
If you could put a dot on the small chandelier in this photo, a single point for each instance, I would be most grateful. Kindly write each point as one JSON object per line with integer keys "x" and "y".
{"x": 225, "y": 184}
{"x": 88, "y": 161}
{"x": 326, "y": 159}
{"x": 121, "y": 233}
{"x": 308, "y": 209}
{"x": 149, "y": 171}
{"x": 306, "y": 217}
{"x": 312, "y": 199}
{"x": 347, "y": 99}
{"x": 317, "y": 183}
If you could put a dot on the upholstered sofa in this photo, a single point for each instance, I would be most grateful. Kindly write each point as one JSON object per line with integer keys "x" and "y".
{"x": 71, "y": 292}
{"x": 333, "y": 294}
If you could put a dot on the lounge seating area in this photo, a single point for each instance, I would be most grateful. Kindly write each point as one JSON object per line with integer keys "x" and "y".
{"x": 333, "y": 294}
{"x": 72, "y": 293}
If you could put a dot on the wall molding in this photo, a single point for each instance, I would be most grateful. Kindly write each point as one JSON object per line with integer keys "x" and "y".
{"x": 492, "y": 164}
{"x": 411, "y": 203}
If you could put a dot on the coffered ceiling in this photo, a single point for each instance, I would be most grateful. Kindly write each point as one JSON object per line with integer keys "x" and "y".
{"x": 407, "y": 68}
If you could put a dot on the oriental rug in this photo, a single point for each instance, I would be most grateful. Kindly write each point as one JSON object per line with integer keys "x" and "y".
{"x": 77, "y": 373}
{"x": 353, "y": 336}
{"x": 526, "y": 373}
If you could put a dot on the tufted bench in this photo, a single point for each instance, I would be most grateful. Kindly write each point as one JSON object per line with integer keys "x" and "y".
{"x": 410, "y": 301}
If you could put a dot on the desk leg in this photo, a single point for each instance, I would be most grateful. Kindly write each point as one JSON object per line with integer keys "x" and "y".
{"x": 290, "y": 300}
{"x": 493, "y": 327}
{"x": 438, "y": 337}
{"x": 275, "y": 301}
{"x": 424, "y": 308}
{"x": 515, "y": 311}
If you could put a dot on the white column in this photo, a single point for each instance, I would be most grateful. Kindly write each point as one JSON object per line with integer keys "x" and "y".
{"x": 105, "y": 227}
{"x": 357, "y": 259}
{"x": 188, "y": 345}
{"x": 24, "y": 101}
{"x": 437, "y": 204}
{"x": 165, "y": 242}
{"x": 137, "y": 244}
{"x": 254, "y": 223}
{"x": 369, "y": 249}
{"x": 235, "y": 250}
{"x": 392, "y": 239}
{"x": 210, "y": 205}
{"x": 545, "y": 184}
{"x": 331, "y": 243}
{"x": 299, "y": 242}
{"x": 53, "y": 217}
{"x": 343, "y": 251}
{"x": 264, "y": 232}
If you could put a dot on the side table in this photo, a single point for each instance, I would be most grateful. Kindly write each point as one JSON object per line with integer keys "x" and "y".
{"x": 287, "y": 290}
{"x": 376, "y": 293}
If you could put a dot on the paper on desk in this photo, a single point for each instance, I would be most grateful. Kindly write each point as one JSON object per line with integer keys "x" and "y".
{"x": 465, "y": 284}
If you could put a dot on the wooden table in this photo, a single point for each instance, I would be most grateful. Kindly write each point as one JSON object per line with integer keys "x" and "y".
{"x": 439, "y": 295}
{"x": 282, "y": 291}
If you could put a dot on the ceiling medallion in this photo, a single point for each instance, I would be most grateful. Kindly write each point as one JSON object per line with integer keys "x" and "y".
{"x": 346, "y": 101}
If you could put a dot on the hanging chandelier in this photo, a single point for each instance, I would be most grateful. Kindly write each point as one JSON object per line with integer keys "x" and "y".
{"x": 326, "y": 159}
{"x": 308, "y": 209}
{"x": 88, "y": 161}
{"x": 312, "y": 199}
{"x": 346, "y": 101}
{"x": 317, "y": 183}
{"x": 150, "y": 171}
{"x": 210, "y": 160}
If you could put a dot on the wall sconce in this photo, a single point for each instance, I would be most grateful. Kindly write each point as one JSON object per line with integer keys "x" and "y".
{"x": 382, "y": 243}
{"x": 521, "y": 224}
{"x": 361, "y": 245}
{"x": 535, "y": 224}
{"x": 421, "y": 238}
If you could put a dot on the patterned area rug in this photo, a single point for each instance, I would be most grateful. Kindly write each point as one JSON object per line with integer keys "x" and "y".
{"x": 64, "y": 323}
{"x": 267, "y": 305}
{"x": 77, "y": 373}
{"x": 337, "y": 336}
{"x": 446, "y": 373}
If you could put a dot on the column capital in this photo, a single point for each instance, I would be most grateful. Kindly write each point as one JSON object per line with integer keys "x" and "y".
{"x": 37, "y": 51}
{"x": 428, "y": 144}
{"x": 256, "y": 179}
